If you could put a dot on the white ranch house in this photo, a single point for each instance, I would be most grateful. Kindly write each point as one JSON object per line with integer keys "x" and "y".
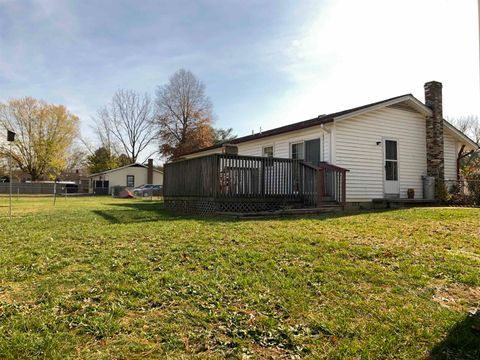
{"x": 129, "y": 176}
{"x": 386, "y": 146}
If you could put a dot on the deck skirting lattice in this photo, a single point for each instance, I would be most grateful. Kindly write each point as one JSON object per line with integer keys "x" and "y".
{"x": 212, "y": 206}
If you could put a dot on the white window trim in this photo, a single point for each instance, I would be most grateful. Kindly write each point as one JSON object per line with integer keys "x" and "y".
{"x": 133, "y": 176}
{"x": 322, "y": 142}
{"x": 294, "y": 143}
{"x": 266, "y": 146}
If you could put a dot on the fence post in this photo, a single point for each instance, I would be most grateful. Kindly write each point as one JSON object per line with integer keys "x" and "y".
{"x": 54, "y": 192}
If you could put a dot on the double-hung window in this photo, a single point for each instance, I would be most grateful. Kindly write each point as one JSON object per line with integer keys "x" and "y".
{"x": 130, "y": 181}
{"x": 267, "y": 151}
{"x": 297, "y": 150}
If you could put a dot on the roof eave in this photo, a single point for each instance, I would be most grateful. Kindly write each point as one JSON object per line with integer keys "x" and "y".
{"x": 123, "y": 167}
{"x": 268, "y": 133}
{"x": 461, "y": 135}
{"x": 414, "y": 102}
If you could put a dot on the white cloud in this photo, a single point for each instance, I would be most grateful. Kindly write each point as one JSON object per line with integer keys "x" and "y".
{"x": 357, "y": 52}
{"x": 263, "y": 65}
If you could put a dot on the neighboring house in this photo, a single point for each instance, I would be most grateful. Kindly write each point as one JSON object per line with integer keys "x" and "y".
{"x": 80, "y": 178}
{"x": 130, "y": 176}
{"x": 387, "y": 146}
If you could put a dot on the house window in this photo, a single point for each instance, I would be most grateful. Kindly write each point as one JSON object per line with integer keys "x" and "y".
{"x": 268, "y": 151}
{"x": 130, "y": 181}
{"x": 297, "y": 151}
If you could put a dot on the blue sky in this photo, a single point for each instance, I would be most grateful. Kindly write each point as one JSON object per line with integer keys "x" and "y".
{"x": 264, "y": 63}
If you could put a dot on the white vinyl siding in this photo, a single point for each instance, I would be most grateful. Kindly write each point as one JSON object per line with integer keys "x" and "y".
{"x": 450, "y": 150}
{"x": 356, "y": 149}
{"x": 119, "y": 176}
{"x": 282, "y": 143}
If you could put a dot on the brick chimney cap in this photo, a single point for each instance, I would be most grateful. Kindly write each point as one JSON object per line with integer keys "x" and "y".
{"x": 433, "y": 83}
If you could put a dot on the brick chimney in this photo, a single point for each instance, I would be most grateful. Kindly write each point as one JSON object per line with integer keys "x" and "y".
{"x": 150, "y": 171}
{"x": 435, "y": 159}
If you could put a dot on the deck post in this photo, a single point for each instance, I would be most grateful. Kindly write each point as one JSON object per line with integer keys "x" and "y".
{"x": 215, "y": 176}
{"x": 320, "y": 184}
{"x": 262, "y": 177}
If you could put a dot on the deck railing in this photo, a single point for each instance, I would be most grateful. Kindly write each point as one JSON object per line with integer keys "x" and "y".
{"x": 324, "y": 183}
{"x": 225, "y": 176}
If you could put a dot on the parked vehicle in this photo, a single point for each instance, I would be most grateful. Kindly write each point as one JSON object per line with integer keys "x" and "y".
{"x": 147, "y": 190}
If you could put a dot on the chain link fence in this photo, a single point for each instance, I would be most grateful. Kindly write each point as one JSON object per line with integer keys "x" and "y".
{"x": 463, "y": 192}
{"x": 25, "y": 189}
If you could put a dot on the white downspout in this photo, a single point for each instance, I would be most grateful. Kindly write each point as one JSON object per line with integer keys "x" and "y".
{"x": 330, "y": 134}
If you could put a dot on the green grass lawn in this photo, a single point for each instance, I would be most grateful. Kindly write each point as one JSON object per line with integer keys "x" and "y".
{"x": 108, "y": 278}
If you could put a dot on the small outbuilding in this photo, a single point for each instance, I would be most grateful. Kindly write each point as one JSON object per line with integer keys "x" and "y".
{"x": 129, "y": 176}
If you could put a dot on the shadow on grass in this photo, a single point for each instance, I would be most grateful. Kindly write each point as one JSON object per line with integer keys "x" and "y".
{"x": 135, "y": 213}
{"x": 154, "y": 211}
{"x": 462, "y": 341}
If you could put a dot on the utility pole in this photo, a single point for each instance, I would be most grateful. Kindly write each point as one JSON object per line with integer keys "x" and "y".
{"x": 478, "y": 8}
{"x": 10, "y": 182}
{"x": 11, "y": 139}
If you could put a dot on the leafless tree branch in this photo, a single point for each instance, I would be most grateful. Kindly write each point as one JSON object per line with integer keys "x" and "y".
{"x": 126, "y": 124}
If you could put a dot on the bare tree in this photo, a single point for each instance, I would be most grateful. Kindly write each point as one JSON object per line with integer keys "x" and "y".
{"x": 126, "y": 125}
{"x": 469, "y": 125}
{"x": 75, "y": 157}
{"x": 104, "y": 133}
{"x": 184, "y": 115}
{"x": 467, "y": 159}
{"x": 221, "y": 135}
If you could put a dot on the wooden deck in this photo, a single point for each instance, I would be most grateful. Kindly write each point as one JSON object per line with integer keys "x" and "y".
{"x": 234, "y": 183}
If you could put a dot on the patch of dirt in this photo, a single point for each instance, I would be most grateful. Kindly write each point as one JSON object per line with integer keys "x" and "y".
{"x": 9, "y": 293}
{"x": 132, "y": 317}
{"x": 5, "y": 297}
{"x": 458, "y": 297}
{"x": 269, "y": 353}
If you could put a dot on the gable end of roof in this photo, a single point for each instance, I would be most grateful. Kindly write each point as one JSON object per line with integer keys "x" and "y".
{"x": 461, "y": 135}
{"x": 123, "y": 167}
